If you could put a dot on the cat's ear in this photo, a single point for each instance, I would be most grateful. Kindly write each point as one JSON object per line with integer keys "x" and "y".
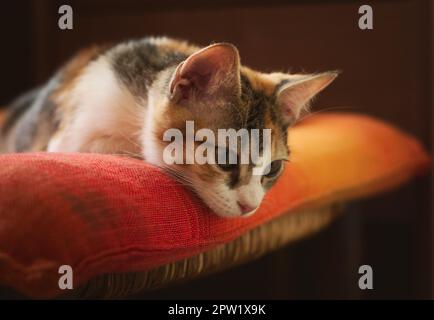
{"x": 212, "y": 72}
{"x": 296, "y": 93}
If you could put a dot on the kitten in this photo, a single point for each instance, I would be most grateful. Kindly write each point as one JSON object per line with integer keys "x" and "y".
{"x": 121, "y": 100}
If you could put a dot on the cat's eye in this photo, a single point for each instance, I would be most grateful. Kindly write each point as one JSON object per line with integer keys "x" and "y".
{"x": 274, "y": 169}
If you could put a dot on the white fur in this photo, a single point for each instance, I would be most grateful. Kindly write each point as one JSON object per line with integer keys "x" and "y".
{"x": 104, "y": 112}
{"x": 151, "y": 150}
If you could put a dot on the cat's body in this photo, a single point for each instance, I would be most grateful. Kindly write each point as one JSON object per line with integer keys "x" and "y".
{"x": 121, "y": 100}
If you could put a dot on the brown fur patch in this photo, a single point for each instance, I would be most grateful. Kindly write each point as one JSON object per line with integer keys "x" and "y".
{"x": 260, "y": 81}
{"x": 176, "y": 117}
{"x": 2, "y": 117}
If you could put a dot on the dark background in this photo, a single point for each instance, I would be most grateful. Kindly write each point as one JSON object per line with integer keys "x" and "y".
{"x": 387, "y": 73}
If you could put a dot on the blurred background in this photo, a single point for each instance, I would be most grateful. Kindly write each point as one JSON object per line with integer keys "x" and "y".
{"x": 386, "y": 72}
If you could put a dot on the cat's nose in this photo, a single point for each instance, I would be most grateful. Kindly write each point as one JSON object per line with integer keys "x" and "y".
{"x": 245, "y": 208}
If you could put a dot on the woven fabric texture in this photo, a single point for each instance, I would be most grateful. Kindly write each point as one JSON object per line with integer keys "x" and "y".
{"x": 104, "y": 214}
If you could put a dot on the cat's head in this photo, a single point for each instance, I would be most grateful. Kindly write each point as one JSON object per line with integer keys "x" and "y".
{"x": 214, "y": 91}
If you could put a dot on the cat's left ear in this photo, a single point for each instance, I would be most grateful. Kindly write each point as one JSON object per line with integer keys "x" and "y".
{"x": 212, "y": 72}
{"x": 296, "y": 93}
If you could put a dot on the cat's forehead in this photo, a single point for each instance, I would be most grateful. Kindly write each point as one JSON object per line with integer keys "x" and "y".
{"x": 262, "y": 112}
{"x": 258, "y": 102}
{"x": 265, "y": 82}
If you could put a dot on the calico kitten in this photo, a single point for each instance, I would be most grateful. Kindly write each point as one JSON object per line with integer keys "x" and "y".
{"x": 121, "y": 100}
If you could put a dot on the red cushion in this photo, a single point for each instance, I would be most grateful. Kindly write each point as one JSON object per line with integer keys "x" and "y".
{"x": 103, "y": 214}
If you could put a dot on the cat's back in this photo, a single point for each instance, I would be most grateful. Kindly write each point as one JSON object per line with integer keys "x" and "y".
{"x": 31, "y": 120}
{"x": 137, "y": 62}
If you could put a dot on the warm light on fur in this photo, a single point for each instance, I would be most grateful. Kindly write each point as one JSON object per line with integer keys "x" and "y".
{"x": 121, "y": 100}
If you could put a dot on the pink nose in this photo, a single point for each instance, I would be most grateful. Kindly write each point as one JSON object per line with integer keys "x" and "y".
{"x": 245, "y": 208}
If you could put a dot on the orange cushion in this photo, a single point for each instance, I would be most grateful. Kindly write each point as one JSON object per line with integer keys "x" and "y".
{"x": 102, "y": 214}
